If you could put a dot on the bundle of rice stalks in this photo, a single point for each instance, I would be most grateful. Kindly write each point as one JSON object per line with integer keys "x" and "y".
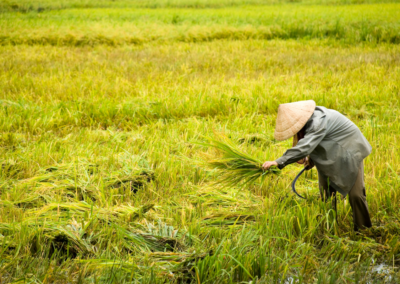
{"x": 158, "y": 237}
{"x": 122, "y": 213}
{"x": 134, "y": 181}
{"x": 179, "y": 265}
{"x": 222, "y": 197}
{"x": 228, "y": 219}
{"x": 80, "y": 180}
{"x": 67, "y": 239}
{"x": 235, "y": 166}
{"x": 32, "y": 201}
{"x": 175, "y": 266}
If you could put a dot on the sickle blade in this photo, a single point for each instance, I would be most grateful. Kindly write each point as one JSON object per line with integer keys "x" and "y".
{"x": 294, "y": 183}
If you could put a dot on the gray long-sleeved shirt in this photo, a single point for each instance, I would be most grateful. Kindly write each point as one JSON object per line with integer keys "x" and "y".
{"x": 336, "y": 146}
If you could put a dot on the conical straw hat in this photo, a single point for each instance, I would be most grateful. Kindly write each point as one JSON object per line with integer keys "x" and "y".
{"x": 292, "y": 117}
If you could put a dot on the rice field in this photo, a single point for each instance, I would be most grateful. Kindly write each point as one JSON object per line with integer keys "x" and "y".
{"x": 107, "y": 171}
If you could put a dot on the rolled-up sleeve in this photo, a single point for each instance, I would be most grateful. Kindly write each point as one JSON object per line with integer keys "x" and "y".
{"x": 304, "y": 147}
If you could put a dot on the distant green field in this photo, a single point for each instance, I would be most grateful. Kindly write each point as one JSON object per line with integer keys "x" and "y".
{"x": 349, "y": 24}
{"x": 102, "y": 108}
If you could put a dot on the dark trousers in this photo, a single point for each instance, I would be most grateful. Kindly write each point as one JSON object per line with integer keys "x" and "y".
{"x": 357, "y": 198}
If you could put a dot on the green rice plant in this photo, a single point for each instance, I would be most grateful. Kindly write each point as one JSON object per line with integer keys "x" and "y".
{"x": 235, "y": 167}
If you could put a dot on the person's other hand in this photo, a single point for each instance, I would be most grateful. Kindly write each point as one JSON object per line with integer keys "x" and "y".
{"x": 269, "y": 164}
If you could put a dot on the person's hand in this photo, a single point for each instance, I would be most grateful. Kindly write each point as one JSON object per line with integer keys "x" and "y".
{"x": 308, "y": 164}
{"x": 269, "y": 164}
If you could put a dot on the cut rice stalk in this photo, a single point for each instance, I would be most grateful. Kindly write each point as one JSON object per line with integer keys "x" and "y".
{"x": 236, "y": 167}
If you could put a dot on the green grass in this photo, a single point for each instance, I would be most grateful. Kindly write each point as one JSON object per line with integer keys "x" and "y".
{"x": 99, "y": 143}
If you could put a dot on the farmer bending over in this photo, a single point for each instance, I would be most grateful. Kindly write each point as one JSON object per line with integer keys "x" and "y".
{"x": 330, "y": 141}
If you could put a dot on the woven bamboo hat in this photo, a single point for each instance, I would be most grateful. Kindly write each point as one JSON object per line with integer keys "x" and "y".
{"x": 292, "y": 117}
